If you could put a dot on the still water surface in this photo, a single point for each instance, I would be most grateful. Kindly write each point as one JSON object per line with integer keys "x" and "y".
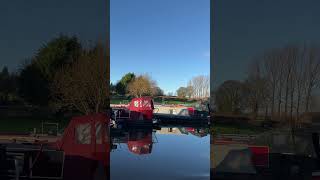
{"x": 166, "y": 153}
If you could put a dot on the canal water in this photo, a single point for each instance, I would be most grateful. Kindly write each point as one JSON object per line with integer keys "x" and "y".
{"x": 162, "y": 153}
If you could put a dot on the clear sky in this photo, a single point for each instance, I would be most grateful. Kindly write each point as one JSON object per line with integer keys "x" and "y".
{"x": 243, "y": 29}
{"x": 168, "y": 39}
{"x": 26, "y": 25}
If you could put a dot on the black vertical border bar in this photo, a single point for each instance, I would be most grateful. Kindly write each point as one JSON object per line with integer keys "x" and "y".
{"x": 211, "y": 57}
{"x": 107, "y": 14}
{"x": 211, "y": 81}
{"x": 108, "y": 48}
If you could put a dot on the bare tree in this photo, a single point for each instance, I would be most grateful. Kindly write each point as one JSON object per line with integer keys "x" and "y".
{"x": 292, "y": 74}
{"x": 190, "y": 90}
{"x": 256, "y": 89}
{"x": 271, "y": 67}
{"x": 206, "y": 86}
{"x": 84, "y": 84}
{"x": 200, "y": 86}
{"x": 313, "y": 73}
{"x": 170, "y": 93}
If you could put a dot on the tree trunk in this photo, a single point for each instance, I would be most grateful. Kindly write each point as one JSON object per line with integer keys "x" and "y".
{"x": 286, "y": 97}
{"x": 291, "y": 106}
{"x": 266, "y": 113}
{"x": 308, "y": 99}
{"x": 273, "y": 100}
{"x": 279, "y": 102}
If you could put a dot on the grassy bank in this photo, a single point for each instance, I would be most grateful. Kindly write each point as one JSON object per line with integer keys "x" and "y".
{"x": 26, "y": 125}
{"x": 233, "y": 129}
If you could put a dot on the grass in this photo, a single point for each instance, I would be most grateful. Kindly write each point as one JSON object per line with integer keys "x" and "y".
{"x": 119, "y": 101}
{"x": 175, "y": 102}
{"x": 26, "y": 125}
{"x": 232, "y": 129}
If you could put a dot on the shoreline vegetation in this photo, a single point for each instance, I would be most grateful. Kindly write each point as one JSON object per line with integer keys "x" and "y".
{"x": 27, "y": 125}
{"x": 159, "y": 99}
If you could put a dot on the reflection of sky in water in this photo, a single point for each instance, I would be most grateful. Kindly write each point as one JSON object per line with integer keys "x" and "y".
{"x": 172, "y": 157}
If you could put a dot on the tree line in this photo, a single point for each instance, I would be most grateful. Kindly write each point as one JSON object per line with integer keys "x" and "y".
{"x": 8, "y": 87}
{"x": 62, "y": 74}
{"x": 136, "y": 86}
{"x": 280, "y": 83}
{"x": 198, "y": 87}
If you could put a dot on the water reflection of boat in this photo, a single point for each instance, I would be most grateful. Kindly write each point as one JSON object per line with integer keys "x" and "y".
{"x": 200, "y": 132}
{"x": 140, "y": 140}
{"x": 171, "y": 130}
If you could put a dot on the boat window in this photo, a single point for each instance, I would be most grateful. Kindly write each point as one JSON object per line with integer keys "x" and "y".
{"x": 83, "y": 133}
{"x": 98, "y": 133}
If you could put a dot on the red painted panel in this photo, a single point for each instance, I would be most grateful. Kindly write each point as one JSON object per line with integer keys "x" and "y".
{"x": 191, "y": 110}
{"x": 260, "y": 155}
{"x": 142, "y": 105}
{"x": 189, "y": 129}
{"x": 86, "y": 138}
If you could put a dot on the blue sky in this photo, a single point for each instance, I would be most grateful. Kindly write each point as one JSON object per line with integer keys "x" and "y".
{"x": 168, "y": 39}
{"x": 26, "y": 25}
{"x": 246, "y": 28}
